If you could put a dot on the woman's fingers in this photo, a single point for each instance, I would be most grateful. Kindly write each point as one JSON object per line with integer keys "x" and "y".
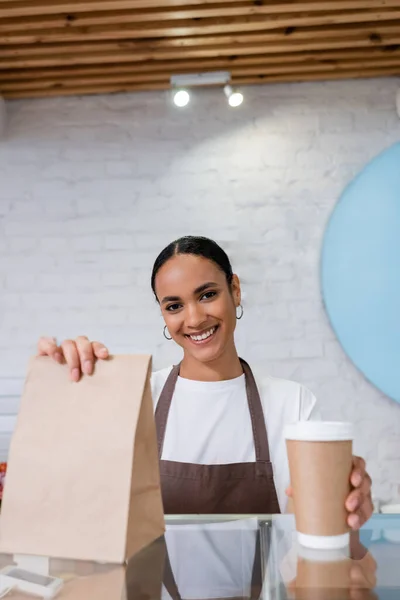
{"x": 86, "y": 356}
{"x": 47, "y": 346}
{"x": 71, "y": 355}
{"x": 358, "y": 473}
{"x": 357, "y": 518}
{"x": 89, "y": 352}
{"x": 358, "y": 496}
{"x": 80, "y": 354}
{"x": 359, "y": 502}
{"x": 99, "y": 350}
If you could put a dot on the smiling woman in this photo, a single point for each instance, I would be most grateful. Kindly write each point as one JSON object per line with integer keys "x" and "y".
{"x": 220, "y": 428}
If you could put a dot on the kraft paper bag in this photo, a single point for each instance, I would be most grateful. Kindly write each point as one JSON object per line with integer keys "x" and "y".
{"x": 101, "y": 586}
{"x": 83, "y": 477}
{"x": 145, "y": 572}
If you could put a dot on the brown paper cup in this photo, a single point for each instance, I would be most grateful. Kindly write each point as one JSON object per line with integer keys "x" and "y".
{"x": 320, "y": 462}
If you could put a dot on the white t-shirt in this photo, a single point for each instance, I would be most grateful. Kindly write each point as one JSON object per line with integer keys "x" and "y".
{"x": 209, "y": 421}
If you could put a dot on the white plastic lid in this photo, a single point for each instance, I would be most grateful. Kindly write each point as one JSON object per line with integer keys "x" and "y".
{"x": 319, "y": 431}
{"x": 323, "y": 542}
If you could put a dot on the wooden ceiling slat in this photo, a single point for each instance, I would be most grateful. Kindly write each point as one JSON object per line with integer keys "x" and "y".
{"x": 282, "y": 78}
{"x": 28, "y": 8}
{"x": 108, "y": 89}
{"x": 237, "y": 71}
{"x": 83, "y": 57}
{"x": 72, "y": 21}
{"x": 193, "y": 27}
{"x": 112, "y": 59}
{"x": 93, "y": 80}
{"x": 144, "y": 80}
{"x": 32, "y": 8}
{"x": 318, "y": 58}
{"x": 375, "y": 34}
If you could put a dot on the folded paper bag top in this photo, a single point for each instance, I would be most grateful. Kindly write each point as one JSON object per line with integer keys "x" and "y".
{"x": 83, "y": 477}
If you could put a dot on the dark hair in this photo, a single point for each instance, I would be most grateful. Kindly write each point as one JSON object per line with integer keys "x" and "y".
{"x": 199, "y": 246}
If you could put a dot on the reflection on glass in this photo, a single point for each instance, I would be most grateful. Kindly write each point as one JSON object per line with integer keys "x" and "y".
{"x": 230, "y": 558}
{"x": 332, "y": 575}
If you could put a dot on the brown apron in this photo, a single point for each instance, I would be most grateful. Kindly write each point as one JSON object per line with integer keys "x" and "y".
{"x": 237, "y": 488}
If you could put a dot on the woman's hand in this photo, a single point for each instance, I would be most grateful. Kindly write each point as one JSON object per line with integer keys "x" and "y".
{"x": 359, "y": 503}
{"x": 80, "y": 354}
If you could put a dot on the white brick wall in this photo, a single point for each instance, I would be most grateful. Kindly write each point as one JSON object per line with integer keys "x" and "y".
{"x": 92, "y": 188}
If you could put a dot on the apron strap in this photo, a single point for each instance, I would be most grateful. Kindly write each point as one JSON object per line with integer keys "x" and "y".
{"x": 256, "y": 575}
{"x": 255, "y": 407}
{"x": 260, "y": 435}
{"x": 169, "y": 579}
{"x": 163, "y": 406}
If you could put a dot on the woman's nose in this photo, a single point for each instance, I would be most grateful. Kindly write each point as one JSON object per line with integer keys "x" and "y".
{"x": 194, "y": 316}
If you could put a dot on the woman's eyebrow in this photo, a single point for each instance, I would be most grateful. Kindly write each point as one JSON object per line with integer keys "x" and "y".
{"x": 197, "y": 291}
{"x": 205, "y": 286}
{"x": 170, "y": 299}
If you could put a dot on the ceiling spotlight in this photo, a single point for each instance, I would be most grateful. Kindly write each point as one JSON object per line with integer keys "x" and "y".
{"x": 181, "y": 98}
{"x": 235, "y": 98}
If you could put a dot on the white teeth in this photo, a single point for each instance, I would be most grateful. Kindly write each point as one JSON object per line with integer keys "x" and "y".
{"x": 203, "y": 336}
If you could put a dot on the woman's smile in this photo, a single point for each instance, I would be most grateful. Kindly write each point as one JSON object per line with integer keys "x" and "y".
{"x": 203, "y": 337}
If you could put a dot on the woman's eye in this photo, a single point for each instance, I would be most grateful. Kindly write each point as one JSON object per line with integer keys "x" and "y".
{"x": 173, "y": 307}
{"x": 208, "y": 295}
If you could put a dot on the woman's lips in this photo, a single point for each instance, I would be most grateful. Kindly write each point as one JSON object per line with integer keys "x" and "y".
{"x": 206, "y": 340}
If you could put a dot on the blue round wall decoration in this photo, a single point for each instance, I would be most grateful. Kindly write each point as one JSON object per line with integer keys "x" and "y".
{"x": 360, "y": 271}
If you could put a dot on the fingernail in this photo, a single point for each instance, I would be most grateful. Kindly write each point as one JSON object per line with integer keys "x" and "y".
{"x": 87, "y": 367}
{"x": 103, "y": 351}
{"x": 357, "y": 479}
{"x": 75, "y": 374}
{"x": 354, "y": 521}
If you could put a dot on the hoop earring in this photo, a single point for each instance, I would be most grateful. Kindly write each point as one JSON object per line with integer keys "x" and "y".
{"x": 241, "y": 314}
{"x": 166, "y": 337}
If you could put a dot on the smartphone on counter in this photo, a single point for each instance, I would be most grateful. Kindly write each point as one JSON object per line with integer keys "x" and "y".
{"x": 29, "y": 582}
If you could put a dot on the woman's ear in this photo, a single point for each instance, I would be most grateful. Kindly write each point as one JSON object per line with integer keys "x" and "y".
{"x": 236, "y": 291}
